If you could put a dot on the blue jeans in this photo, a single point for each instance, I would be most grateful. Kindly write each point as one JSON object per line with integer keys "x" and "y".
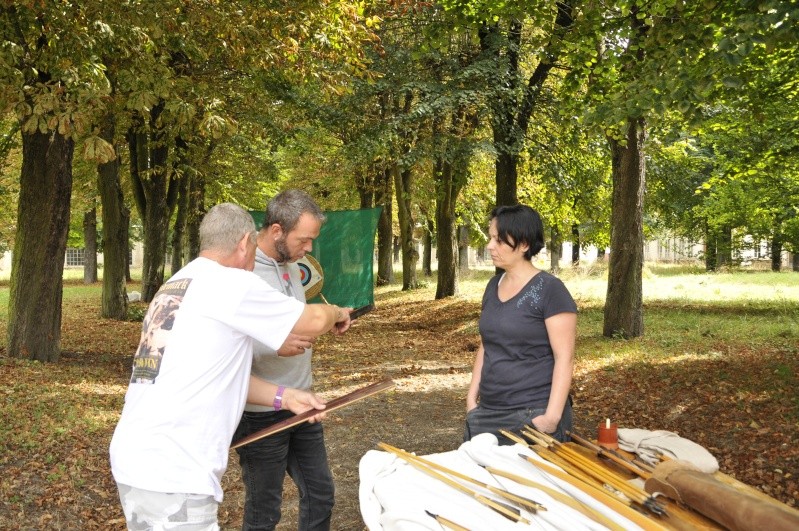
{"x": 483, "y": 420}
{"x": 300, "y": 451}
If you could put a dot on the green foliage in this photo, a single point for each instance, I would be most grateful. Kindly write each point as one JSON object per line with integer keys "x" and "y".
{"x": 738, "y": 167}
{"x": 137, "y": 311}
{"x": 643, "y": 58}
{"x": 10, "y": 167}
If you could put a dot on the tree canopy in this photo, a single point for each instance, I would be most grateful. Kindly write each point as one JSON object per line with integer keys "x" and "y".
{"x": 436, "y": 111}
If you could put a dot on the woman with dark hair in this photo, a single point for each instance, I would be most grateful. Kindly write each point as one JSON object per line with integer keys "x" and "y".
{"x": 523, "y": 368}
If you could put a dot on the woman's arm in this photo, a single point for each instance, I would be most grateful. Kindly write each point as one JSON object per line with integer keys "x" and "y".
{"x": 474, "y": 386}
{"x": 562, "y": 331}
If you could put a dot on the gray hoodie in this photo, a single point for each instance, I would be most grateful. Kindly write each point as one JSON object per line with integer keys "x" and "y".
{"x": 292, "y": 371}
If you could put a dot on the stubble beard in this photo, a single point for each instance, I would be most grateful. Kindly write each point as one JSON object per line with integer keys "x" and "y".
{"x": 282, "y": 250}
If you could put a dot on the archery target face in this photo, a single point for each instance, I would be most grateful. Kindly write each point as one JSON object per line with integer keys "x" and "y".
{"x": 311, "y": 276}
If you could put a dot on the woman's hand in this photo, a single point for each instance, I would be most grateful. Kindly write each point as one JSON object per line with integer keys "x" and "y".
{"x": 546, "y": 424}
{"x": 471, "y": 403}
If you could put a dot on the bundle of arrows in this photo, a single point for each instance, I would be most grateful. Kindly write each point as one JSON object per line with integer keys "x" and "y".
{"x": 578, "y": 466}
{"x": 503, "y": 502}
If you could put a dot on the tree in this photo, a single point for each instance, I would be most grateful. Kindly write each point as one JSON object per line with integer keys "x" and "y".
{"x": 639, "y": 59}
{"x": 115, "y": 218}
{"x": 513, "y": 99}
{"x": 403, "y": 186}
{"x": 53, "y": 77}
{"x": 50, "y": 79}
{"x": 732, "y": 171}
{"x": 90, "y": 247}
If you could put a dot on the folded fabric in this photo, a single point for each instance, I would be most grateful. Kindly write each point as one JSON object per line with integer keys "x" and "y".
{"x": 650, "y": 445}
{"x": 395, "y": 496}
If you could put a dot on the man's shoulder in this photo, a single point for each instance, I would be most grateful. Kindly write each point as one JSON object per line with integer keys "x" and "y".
{"x": 267, "y": 270}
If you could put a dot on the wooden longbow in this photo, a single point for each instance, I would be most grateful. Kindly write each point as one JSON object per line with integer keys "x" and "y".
{"x": 333, "y": 405}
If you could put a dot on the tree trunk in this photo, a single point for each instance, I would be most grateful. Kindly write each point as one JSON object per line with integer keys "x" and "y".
{"x": 197, "y": 206}
{"x": 128, "y": 245}
{"x": 403, "y": 185}
{"x": 182, "y": 204}
{"x": 385, "y": 232}
{"x": 155, "y": 229}
{"x": 724, "y": 247}
{"x": 711, "y": 253}
{"x": 116, "y": 218}
{"x": 777, "y": 242}
{"x": 155, "y": 191}
{"x": 481, "y": 254}
{"x": 511, "y": 114}
{"x": 575, "y": 245}
{"x": 506, "y": 179}
{"x": 463, "y": 249}
{"x": 364, "y": 183}
{"x": 396, "y": 249}
{"x": 34, "y": 306}
{"x": 555, "y": 249}
{"x": 795, "y": 261}
{"x": 624, "y": 300}
{"x": 90, "y": 246}
{"x": 196, "y": 213}
{"x": 427, "y": 253}
{"x": 776, "y": 254}
{"x": 179, "y": 228}
{"x": 446, "y": 199}
{"x": 504, "y": 50}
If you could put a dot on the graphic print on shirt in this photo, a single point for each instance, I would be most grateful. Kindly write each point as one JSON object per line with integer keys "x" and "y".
{"x": 533, "y": 294}
{"x": 155, "y": 330}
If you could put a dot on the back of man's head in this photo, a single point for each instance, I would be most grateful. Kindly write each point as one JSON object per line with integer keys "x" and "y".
{"x": 286, "y": 208}
{"x": 223, "y": 227}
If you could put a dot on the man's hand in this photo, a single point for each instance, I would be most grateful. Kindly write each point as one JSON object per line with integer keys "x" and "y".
{"x": 295, "y": 345}
{"x": 298, "y": 401}
{"x": 343, "y": 322}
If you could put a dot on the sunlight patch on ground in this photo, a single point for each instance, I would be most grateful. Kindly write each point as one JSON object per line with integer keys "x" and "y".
{"x": 688, "y": 357}
{"x": 436, "y": 382}
{"x": 676, "y": 411}
{"x": 97, "y": 388}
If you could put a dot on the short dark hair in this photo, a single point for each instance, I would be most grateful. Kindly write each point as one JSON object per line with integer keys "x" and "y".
{"x": 286, "y": 208}
{"x": 520, "y": 224}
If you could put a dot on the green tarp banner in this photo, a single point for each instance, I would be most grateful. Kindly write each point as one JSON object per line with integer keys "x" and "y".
{"x": 345, "y": 251}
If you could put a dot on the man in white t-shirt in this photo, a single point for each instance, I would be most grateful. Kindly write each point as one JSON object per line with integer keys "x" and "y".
{"x": 191, "y": 376}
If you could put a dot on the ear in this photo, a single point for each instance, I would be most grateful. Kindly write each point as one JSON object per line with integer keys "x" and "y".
{"x": 241, "y": 247}
{"x": 275, "y": 231}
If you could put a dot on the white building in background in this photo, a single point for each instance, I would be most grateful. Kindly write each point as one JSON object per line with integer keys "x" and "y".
{"x": 669, "y": 250}
{"x": 74, "y": 258}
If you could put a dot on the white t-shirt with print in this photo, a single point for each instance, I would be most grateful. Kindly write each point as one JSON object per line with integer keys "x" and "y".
{"x": 191, "y": 374}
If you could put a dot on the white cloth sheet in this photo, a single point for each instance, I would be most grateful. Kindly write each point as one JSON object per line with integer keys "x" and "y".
{"x": 395, "y": 496}
{"x": 649, "y": 445}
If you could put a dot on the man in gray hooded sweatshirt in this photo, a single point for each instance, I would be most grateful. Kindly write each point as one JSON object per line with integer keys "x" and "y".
{"x": 291, "y": 223}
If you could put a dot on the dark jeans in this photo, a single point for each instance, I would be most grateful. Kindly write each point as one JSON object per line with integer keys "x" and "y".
{"x": 300, "y": 451}
{"x": 484, "y": 420}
